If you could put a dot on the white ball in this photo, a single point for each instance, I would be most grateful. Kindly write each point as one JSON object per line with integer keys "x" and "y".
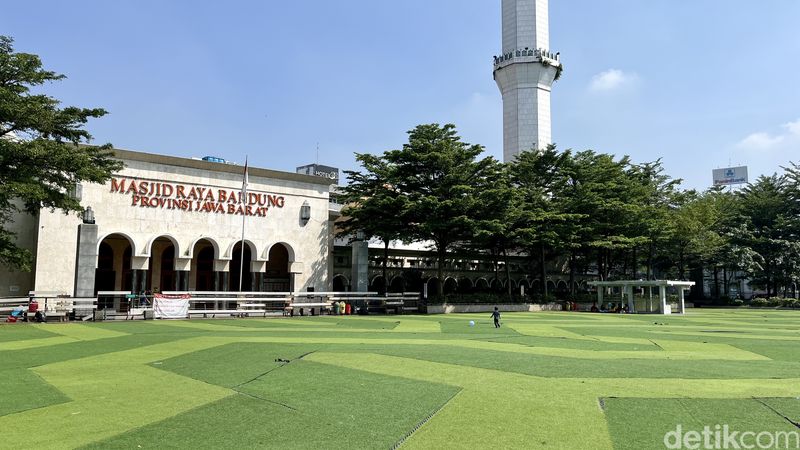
{"x": 472, "y": 323}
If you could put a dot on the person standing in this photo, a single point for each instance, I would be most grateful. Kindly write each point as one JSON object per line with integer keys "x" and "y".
{"x": 496, "y": 317}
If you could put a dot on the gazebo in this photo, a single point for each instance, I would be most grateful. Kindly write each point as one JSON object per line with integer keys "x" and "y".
{"x": 627, "y": 289}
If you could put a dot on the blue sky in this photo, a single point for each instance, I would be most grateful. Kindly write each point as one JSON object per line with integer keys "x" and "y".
{"x": 700, "y": 83}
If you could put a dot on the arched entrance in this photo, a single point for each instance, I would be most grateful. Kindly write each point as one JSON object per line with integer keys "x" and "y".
{"x": 113, "y": 271}
{"x": 450, "y": 286}
{"x": 202, "y": 274}
{"x": 278, "y": 278}
{"x": 246, "y": 274}
{"x": 340, "y": 283}
{"x": 105, "y": 275}
{"x": 464, "y": 286}
{"x": 161, "y": 271}
{"x": 398, "y": 284}
{"x": 378, "y": 285}
{"x": 433, "y": 286}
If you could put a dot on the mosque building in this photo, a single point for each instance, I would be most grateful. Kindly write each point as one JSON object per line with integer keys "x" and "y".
{"x": 168, "y": 223}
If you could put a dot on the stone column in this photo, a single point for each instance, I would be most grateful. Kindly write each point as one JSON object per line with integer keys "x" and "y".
{"x": 183, "y": 266}
{"x": 631, "y": 303}
{"x": 257, "y": 270}
{"x": 143, "y": 282}
{"x": 86, "y": 260}
{"x": 662, "y": 293}
{"x": 360, "y": 266}
{"x": 225, "y": 281}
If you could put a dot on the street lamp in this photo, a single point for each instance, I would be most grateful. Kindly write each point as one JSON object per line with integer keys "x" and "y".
{"x": 305, "y": 213}
{"x": 88, "y": 216}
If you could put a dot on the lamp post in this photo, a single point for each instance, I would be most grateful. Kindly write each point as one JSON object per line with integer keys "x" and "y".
{"x": 305, "y": 213}
{"x": 86, "y": 257}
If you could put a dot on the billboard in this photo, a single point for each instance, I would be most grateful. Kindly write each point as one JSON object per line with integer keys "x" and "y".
{"x": 331, "y": 173}
{"x": 730, "y": 175}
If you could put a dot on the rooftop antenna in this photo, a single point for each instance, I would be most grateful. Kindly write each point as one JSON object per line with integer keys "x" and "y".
{"x": 317, "y": 162}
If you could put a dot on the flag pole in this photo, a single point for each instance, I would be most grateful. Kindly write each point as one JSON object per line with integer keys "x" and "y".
{"x": 244, "y": 217}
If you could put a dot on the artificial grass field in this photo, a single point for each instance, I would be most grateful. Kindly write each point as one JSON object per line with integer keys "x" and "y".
{"x": 543, "y": 380}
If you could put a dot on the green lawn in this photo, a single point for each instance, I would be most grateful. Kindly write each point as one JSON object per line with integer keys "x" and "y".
{"x": 543, "y": 380}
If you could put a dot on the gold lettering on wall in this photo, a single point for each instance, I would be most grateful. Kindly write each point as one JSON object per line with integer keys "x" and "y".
{"x": 195, "y": 198}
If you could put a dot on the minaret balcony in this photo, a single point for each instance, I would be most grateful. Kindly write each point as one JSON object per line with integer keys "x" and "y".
{"x": 527, "y": 55}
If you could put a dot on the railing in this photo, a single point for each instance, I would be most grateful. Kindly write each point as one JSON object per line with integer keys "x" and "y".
{"x": 124, "y": 305}
{"x": 9, "y": 304}
{"x": 527, "y": 54}
{"x": 52, "y": 305}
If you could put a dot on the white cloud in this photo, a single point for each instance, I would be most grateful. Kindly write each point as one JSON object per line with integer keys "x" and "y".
{"x": 766, "y": 141}
{"x": 759, "y": 141}
{"x": 611, "y": 80}
{"x": 793, "y": 127}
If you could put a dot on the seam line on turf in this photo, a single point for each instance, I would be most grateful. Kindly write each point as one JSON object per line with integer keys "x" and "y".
{"x": 768, "y": 406}
{"x": 265, "y": 399}
{"x": 423, "y": 422}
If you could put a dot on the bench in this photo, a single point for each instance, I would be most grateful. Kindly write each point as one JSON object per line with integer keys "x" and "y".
{"x": 321, "y": 305}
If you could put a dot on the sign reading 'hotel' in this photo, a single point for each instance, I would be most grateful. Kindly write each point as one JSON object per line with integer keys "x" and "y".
{"x": 195, "y": 198}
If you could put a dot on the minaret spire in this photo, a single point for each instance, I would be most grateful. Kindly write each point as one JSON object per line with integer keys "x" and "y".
{"x": 525, "y": 73}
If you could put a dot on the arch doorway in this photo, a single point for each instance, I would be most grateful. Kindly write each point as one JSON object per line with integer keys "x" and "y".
{"x": 113, "y": 271}
{"x": 161, "y": 271}
{"x": 236, "y": 264}
{"x": 340, "y": 283}
{"x": 398, "y": 284}
{"x": 378, "y": 285}
{"x": 202, "y": 267}
{"x": 278, "y": 278}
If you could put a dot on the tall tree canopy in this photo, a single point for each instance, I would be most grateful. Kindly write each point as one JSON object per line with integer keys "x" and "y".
{"x": 540, "y": 178}
{"x": 41, "y": 158}
{"x": 438, "y": 179}
{"x": 373, "y": 205}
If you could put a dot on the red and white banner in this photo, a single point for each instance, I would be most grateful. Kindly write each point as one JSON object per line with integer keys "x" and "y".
{"x": 171, "y": 306}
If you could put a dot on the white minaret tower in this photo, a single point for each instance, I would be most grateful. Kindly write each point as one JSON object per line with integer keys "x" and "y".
{"x": 525, "y": 73}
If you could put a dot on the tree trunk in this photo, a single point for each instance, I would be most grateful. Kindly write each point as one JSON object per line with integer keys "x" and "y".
{"x": 633, "y": 263}
{"x": 385, "y": 261}
{"x": 716, "y": 282}
{"x": 543, "y": 269}
{"x": 495, "y": 261}
{"x": 725, "y": 281}
{"x": 508, "y": 274}
{"x": 681, "y": 264}
{"x": 767, "y": 271}
{"x": 440, "y": 271}
{"x": 624, "y": 265}
{"x": 572, "y": 272}
{"x": 650, "y": 260}
{"x": 600, "y": 272}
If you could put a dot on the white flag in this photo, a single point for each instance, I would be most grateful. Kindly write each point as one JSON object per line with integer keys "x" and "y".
{"x": 243, "y": 198}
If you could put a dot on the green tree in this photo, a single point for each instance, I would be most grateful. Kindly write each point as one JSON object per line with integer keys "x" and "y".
{"x": 701, "y": 230}
{"x": 792, "y": 186}
{"x": 373, "y": 205}
{"x": 440, "y": 178}
{"x": 40, "y": 155}
{"x": 652, "y": 194}
{"x": 765, "y": 208}
{"x": 497, "y": 218}
{"x": 539, "y": 178}
{"x": 599, "y": 191}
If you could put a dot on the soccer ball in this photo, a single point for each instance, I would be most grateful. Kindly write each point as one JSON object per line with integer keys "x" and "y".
{"x": 472, "y": 323}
